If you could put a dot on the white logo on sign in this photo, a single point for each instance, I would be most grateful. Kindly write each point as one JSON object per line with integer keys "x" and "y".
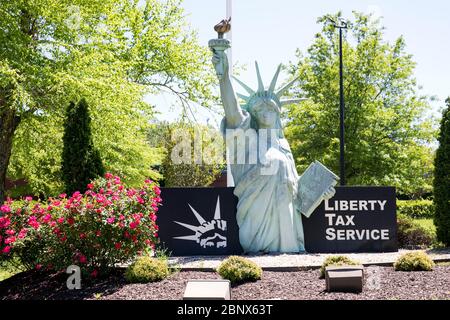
{"x": 207, "y": 233}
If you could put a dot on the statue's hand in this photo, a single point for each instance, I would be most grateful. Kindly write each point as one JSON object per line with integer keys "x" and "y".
{"x": 220, "y": 62}
{"x": 329, "y": 193}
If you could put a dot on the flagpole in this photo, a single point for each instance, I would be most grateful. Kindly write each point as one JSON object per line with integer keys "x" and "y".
{"x": 230, "y": 180}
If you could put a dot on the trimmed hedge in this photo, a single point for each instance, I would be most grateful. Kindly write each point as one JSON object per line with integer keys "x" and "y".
{"x": 147, "y": 269}
{"x": 416, "y": 208}
{"x": 239, "y": 270}
{"x": 411, "y": 235}
{"x": 414, "y": 261}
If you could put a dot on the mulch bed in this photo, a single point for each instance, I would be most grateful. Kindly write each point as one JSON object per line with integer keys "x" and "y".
{"x": 381, "y": 283}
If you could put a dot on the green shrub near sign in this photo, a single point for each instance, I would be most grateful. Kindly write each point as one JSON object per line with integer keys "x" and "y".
{"x": 239, "y": 269}
{"x": 336, "y": 261}
{"x": 147, "y": 269}
{"x": 414, "y": 261}
{"x": 416, "y": 209}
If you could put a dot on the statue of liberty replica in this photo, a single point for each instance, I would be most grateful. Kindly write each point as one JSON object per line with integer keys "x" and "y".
{"x": 272, "y": 196}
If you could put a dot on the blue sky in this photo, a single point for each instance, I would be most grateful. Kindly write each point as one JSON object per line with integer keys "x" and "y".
{"x": 271, "y": 31}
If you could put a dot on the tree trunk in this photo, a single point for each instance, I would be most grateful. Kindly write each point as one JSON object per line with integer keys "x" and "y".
{"x": 8, "y": 125}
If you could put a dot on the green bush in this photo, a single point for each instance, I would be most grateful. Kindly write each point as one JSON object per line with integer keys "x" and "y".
{"x": 146, "y": 269}
{"x": 107, "y": 225}
{"x": 442, "y": 180}
{"x": 416, "y": 209}
{"x": 414, "y": 261}
{"x": 239, "y": 269}
{"x": 81, "y": 161}
{"x": 336, "y": 261}
{"x": 411, "y": 234}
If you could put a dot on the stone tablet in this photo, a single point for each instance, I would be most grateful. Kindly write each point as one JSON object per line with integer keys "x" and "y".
{"x": 313, "y": 184}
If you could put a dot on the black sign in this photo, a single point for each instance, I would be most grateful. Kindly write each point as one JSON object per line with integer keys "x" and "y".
{"x": 199, "y": 221}
{"x": 202, "y": 221}
{"x": 356, "y": 219}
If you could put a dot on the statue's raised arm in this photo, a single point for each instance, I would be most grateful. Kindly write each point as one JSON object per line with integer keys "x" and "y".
{"x": 233, "y": 112}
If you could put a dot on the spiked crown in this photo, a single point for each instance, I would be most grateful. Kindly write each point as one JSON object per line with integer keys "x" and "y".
{"x": 270, "y": 93}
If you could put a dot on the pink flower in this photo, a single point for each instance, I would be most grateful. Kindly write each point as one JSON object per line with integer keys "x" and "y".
{"x": 148, "y": 181}
{"x": 90, "y": 186}
{"x": 134, "y": 224}
{"x": 38, "y": 266}
{"x": 5, "y": 208}
{"x": 32, "y": 221}
{"x": 118, "y": 245}
{"x": 110, "y": 220}
{"x": 140, "y": 200}
{"x": 94, "y": 274}
{"x": 60, "y": 220}
{"x": 82, "y": 258}
{"x": 82, "y": 236}
{"x": 70, "y": 221}
{"x": 63, "y": 195}
{"x": 10, "y": 240}
{"x": 98, "y": 233}
{"x": 121, "y": 217}
{"x": 28, "y": 198}
{"x": 108, "y": 175}
{"x": 47, "y": 218}
{"x": 6, "y": 250}
{"x": 157, "y": 190}
{"x": 23, "y": 233}
{"x": 4, "y": 222}
{"x": 10, "y": 232}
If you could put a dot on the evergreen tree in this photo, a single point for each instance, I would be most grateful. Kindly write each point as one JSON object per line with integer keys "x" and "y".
{"x": 442, "y": 180}
{"x": 81, "y": 162}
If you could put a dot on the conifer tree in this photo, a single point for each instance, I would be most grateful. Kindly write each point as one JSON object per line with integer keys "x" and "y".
{"x": 442, "y": 180}
{"x": 81, "y": 161}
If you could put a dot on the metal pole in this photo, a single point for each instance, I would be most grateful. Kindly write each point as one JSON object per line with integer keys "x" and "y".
{"x": 342, "y": 110}
{"x": 230, "y": 180}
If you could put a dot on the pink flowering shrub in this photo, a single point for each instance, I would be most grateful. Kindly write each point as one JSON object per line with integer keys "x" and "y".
{"x": 108, "y": 224}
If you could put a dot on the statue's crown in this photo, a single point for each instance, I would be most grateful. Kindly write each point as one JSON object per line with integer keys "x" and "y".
{"x": 265, "y": 94}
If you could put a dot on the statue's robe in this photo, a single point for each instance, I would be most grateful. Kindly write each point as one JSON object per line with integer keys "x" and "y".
{"x": 268, "y": 208}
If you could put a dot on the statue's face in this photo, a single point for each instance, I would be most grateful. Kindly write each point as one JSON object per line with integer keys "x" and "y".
{"x": 266, "y": 115}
